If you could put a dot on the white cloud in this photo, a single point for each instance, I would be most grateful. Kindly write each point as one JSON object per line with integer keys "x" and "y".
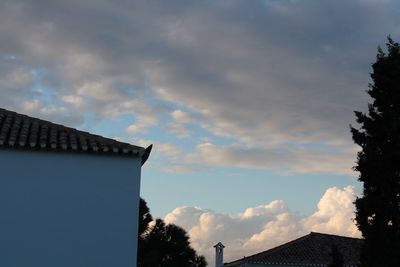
{"x": 18, "y": 77}
{"x": 179, "y": 129}
{"x": 260, "y": 228}
{"x": 179, "y": 124}
{"x": 142, "y": 123}
{"x": 334, "y": 213}
{"x": 282, "y": 158}
{"x": 168, "y": 150}
{"x": 177, "y": 167}
{"x": 167, "y": 157}
{"x": 74, "y": 100}
{"x": 54, "y": 113}
{"x": 15, "y": 81}
{"x": 180, "y": 116}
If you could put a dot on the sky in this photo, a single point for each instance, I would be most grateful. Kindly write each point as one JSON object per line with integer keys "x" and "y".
{"x": 248, "y": 103}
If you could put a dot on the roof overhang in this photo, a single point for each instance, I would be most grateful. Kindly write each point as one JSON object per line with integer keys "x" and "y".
{"x": 146, "y": 154}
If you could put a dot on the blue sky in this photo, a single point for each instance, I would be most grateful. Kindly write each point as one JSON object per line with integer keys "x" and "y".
{"x": 247, "y": 103}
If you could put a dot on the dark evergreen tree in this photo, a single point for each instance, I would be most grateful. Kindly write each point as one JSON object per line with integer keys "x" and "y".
{"x": 378, "y": 163}
{"x": 165, "y": 245}
{"x": 337, "y": 257}
{"x": 144, "y": 217}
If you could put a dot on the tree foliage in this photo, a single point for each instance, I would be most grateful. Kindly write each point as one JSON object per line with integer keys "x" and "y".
{"x": 378, "y": 163}
{"x": 164, "y": 245}
{"x": 144, "y": 217}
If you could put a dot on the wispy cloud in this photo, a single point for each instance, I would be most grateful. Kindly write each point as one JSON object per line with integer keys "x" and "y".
{"x": 281, "y": 158}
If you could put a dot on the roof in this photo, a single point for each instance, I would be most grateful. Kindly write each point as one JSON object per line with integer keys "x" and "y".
{"x": 219, "y": 245}
{"x": 18, "y": 131}
{"x": 311, "y": 250}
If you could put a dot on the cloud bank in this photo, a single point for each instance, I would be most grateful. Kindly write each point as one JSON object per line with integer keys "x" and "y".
{"x": 287, "y": 160}
{"x": 263, "y": 227}
{"x": 277, "y": 78}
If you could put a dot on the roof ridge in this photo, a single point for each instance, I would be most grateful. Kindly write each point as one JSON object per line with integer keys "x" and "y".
{"x": 20, "y": 131}
{"x": 285, "y": 245}
{"x": 52, "y": 123}
{"x": 334, "y": 235}
{"x": 276, "y": 253}
{"x": 273, "y": 249}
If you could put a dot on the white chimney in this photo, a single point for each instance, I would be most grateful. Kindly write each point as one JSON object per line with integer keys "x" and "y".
{"x": 219, "y": 254}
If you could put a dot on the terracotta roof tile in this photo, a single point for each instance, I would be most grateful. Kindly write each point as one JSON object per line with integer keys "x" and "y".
{"x": 311, "y": 250}
{"x": 18, "y": 131}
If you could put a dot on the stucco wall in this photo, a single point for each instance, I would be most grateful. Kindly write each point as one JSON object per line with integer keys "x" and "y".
{"x": 68, "y": 210}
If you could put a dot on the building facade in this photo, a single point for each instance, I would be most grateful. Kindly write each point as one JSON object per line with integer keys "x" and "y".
{"x": 67, "y": 197}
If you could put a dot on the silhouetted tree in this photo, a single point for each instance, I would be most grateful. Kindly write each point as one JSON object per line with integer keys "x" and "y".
{"x": 337, "y": 257}
{"x": 144, "y": 217}
{"x": 165, "y": 245}
{"x": 144, "y": 220}
{"x": 378, "y": 163}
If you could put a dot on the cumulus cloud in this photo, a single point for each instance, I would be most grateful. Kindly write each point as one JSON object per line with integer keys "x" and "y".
{"x": 334, "y": 212}
{"x": 260, "y": 228}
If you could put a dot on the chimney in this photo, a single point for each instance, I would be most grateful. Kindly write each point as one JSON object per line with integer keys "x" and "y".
{"x": 219, "y": 254}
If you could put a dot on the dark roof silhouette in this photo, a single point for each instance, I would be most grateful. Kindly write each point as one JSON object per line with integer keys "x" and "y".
{"x": 311, "y": 250}
{"x": 18, "y": 131}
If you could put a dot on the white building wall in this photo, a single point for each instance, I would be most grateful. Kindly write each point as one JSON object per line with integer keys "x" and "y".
{"x": 68, "y": 210}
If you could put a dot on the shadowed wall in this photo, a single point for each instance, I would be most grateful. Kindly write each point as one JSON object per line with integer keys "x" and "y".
{"x": 61, "y": 210}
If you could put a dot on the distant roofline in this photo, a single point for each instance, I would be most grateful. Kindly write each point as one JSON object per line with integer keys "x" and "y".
{"x": 23, "y": 132}
{"x": 283, "y": 246}
{"x": 341, "y": 236}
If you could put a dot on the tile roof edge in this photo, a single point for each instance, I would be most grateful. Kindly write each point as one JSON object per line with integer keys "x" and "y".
{"x": 23, "y": 132}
